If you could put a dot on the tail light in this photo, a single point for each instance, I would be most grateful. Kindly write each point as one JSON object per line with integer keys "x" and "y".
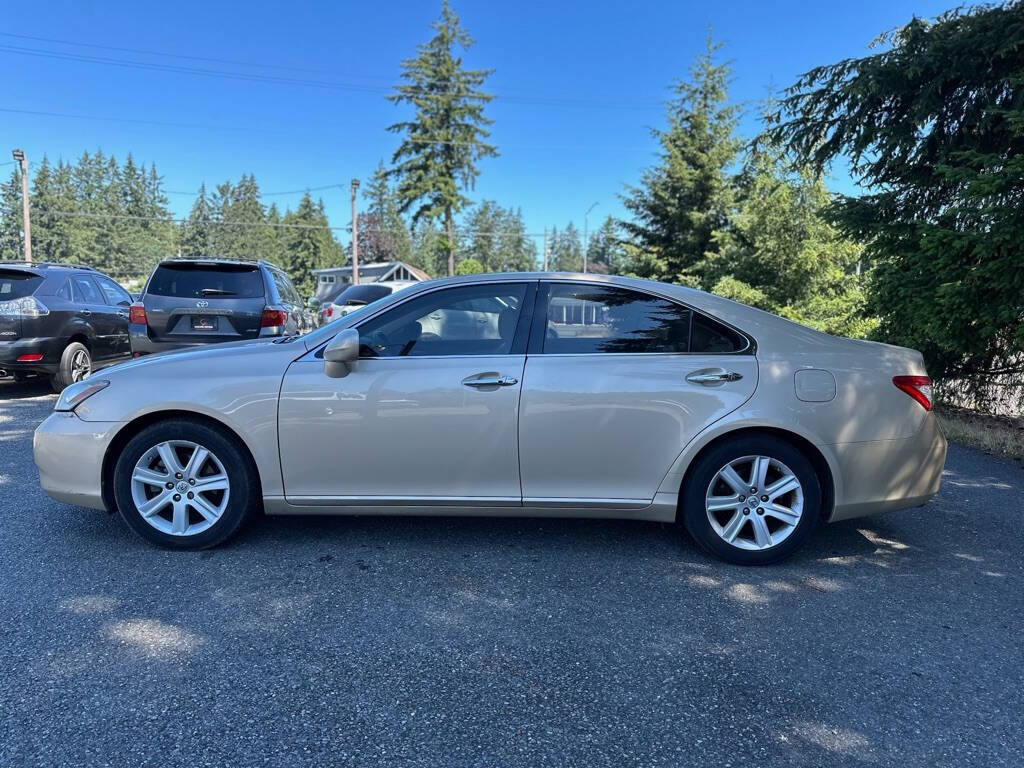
{"x": 918, "y": 387}
{"x": 137, "y": 314}
{"x": 30, "y": 358}
{"x": 273, "y": 318}
{"x": 329, "y": 311}
{"x": 25, "y": 308}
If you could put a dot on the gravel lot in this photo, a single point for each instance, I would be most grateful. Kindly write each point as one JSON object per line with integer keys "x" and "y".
{"x": 409, "y": 642}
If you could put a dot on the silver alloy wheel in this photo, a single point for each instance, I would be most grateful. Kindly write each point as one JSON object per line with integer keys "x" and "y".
{"x": 180, "y": 488}
{"x": 754, "y": 502}
{"x": 80, "y": 365}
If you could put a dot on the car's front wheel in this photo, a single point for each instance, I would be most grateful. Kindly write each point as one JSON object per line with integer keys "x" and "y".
{"x": 752, "y": 500}
{"x": 183, "y": 484}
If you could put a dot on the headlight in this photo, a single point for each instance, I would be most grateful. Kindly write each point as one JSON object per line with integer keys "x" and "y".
{"x": 76, "y": 394}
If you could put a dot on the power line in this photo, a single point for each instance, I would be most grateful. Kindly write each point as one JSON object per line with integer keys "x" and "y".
{"x": 248, "y": 130}
{"x": 42, "y": 213}
{"x": 143, "y": 52}
{"x": 307, "y": 82}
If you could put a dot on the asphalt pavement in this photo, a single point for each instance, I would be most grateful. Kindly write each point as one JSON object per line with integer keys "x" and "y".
{"x": 892, "y": 640}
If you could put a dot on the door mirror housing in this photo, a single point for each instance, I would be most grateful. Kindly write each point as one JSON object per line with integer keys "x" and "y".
{"x": 341, "y": 352}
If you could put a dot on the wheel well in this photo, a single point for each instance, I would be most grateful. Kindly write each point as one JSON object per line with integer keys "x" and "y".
{"x": 805, "y": 446}
{"x": 132, "y": 428}
{"x": 82, "y": 339}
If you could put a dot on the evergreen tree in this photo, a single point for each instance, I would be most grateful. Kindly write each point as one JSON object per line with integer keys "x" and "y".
{"x": 565, "y": 250}
{"x": 496, "y": 238}
{"x": 196, "y": 238}
{"x": 429, "y": 250}
{"x": 383, "y": 235}
{"x": 445, "y": 140}
{"x": 933, "y": 128}
{"x": 683, "y": 207}
{"x": 12, "y": 245}
{"x": 784, "y": 257}
{"x": 308, "y": 244}
{"x": 605, "y": 252}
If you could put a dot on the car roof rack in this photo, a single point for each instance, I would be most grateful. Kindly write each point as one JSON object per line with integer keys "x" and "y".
{"x": 211, "y": 260}
{"x": 60, "y": 264}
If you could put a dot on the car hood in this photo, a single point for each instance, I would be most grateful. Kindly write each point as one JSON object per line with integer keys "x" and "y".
{"x": 208, "y": 352}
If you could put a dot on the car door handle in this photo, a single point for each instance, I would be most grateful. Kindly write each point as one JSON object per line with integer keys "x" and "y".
{"x": 709, "y": 378}
{"x": 86, "y": 312}
{"x": 489, "y": 380}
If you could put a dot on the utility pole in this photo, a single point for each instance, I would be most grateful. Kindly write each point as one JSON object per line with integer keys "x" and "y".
{"x": 19, "y": 155}
{"x": 585, "y": 243}
{"x": 355, "y": 235}
{"x": 545, "y": 249}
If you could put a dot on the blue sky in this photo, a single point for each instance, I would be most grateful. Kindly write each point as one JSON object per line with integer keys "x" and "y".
{"x": 578, "y": 85}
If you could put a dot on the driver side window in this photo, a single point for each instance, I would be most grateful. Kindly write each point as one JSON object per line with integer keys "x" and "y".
{"x": 468, "y": 320}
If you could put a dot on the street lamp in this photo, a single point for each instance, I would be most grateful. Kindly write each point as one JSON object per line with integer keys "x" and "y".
{"x": 585, "y": 243}
{"x": 19, "y": 156}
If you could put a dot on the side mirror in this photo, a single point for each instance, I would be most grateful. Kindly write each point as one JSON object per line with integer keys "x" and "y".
{"x": 341, "y": 352}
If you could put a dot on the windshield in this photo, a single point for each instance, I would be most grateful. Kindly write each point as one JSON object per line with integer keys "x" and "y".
{"x": 362, "y": 294}
{"x": 197, "y": 281}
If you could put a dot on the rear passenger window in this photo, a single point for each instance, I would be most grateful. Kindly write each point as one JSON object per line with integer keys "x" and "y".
{"x": 710, "y": 337}
{"x": 86, "y": 290}
{"x": 585, "y": 319}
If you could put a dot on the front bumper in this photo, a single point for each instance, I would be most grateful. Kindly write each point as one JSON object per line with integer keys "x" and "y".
{"x": 69, "y": 455}
{"x": 885, "y": 475}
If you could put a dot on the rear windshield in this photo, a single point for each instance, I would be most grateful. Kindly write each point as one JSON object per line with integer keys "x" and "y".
{"x": 205, "y": 281}
{"x": 362, "y": 294}
{"x": 16, "y": 284}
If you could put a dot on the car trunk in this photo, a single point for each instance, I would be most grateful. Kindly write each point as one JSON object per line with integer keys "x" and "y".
{"x": 204, "y": 302}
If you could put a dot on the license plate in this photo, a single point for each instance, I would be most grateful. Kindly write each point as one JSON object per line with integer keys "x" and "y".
{"x": 204, "y": 323}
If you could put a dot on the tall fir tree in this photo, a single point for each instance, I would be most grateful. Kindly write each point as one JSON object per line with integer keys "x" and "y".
{"x": 308, "y": 244}
{"x": 12, "y": 243}
{"x": 383, "y": 234}
{"x": 605, "y": 251}
{"x": 681, "y": 211}
{"x": 565, "y": 250}
{"x": 445, "y": 140}
{"x": 196, "y": 236}
{"x": 784, "y": 257}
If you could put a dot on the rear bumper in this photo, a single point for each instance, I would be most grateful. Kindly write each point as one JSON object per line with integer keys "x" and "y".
{"x": 69, "y": 455}
{"x": 142, "y": 344}
{"x": 885, "y": 475}
{"x": 50, "y": 348}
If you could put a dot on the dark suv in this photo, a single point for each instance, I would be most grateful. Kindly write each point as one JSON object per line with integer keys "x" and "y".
{"x": 206, "y": 301}
{"x": 60, "y": 320}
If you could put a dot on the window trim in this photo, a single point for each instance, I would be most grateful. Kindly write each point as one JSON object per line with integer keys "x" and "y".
{"x": 538, "y": 330}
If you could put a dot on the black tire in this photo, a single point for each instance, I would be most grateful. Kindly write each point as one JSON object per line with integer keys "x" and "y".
{"x": 65, "y": 375}
{"x": 695, "y": 515}
{"x": 243, "y": 498}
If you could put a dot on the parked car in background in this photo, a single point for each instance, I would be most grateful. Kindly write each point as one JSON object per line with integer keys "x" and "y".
{"x": 519, "y": 394}
{"x": 60, "y": 320}
{"x": 355, "y": 296}
{"x": 188, "y": 302}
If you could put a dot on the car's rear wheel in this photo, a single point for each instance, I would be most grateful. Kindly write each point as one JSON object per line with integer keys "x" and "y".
{"x": 183, "y": 484}
{"x": 752, "y": 500}
{"x": 75, "y": 365}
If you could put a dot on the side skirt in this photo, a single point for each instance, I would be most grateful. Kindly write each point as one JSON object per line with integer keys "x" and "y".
{"x": 663, "y": 509}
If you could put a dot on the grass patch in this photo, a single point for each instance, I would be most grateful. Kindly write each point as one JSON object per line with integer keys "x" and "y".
{"x": 1000, "y": 435}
